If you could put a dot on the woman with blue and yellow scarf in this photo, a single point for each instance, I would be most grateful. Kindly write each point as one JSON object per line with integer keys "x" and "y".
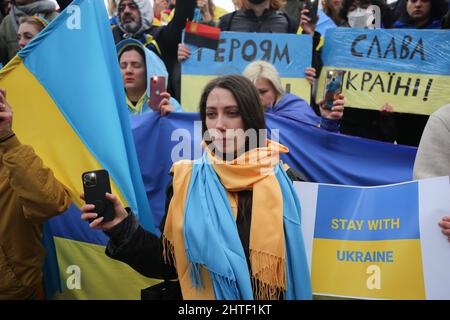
{"x": 233, "y": 227}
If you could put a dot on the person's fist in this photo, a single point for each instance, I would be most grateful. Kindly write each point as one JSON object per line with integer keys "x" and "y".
{"x": 6, "y": 116}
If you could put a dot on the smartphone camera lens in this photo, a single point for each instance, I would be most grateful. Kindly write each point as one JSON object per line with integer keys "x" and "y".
{"x": 90, "y": 179}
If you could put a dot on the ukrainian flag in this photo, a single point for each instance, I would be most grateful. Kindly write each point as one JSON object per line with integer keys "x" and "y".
{"x": 68, "y": 101}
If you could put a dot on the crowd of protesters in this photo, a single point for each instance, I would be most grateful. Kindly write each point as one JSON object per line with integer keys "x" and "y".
{"x": 148, "y": 38}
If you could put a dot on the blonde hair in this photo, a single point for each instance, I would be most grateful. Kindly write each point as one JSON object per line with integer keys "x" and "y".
{"x": 264, "y": 70}
{"x": 274, "y": 4}
{"x": 36, "y": 21}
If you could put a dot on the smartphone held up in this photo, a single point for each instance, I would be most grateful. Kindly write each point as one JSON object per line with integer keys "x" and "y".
{"x": 312, "y": 6}
{"x": 333, "y": 87}
{"x": 157, "y": 85}
{"x": 95, "y": 185}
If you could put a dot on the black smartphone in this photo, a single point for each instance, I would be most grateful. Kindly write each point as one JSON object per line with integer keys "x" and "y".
{"x": 96, "y": 184}
{"x": 333, "y": 87}
{"x": 312, "y": 6}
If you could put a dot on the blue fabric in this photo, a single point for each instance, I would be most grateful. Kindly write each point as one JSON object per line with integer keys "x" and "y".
{"x": 52, "y": 281}
{"x": 61, "y": 58}
{"x": 321, "y": 155}
{"x": 211, "y": 236}
{"x": 212, "y": 239}
{"x": 295, "y": 108}
{"x": 436, "y": 24}
{"x": 298, "y": 282}
{"x": 114, "y": 20}
{"x": 324, "y": 23}
{"x": 66, "y": 56}
{"x": 70, "y": 226}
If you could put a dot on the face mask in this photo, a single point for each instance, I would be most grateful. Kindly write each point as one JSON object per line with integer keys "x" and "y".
{"x": 256, "y": 1}
{"x": 358, "y": 18}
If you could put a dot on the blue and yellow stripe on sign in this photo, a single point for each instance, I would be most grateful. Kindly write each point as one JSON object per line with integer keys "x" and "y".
{"x": 405, "y": 68}
{"x": 367, "y": 244}
{"x": 68, "y": 101}
{"x": 289, "y": 53}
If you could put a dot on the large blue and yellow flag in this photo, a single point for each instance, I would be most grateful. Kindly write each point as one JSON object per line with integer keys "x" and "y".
{"x": 68, "y": 100}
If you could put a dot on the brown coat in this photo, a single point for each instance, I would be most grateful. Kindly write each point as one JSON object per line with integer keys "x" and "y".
{"x": 29, "y": 196}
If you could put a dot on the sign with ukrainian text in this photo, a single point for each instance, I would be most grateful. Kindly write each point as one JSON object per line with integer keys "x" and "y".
{"x": 407, "y": 68}
{"x": 289, "y": 53}
{"x": 377, "y": 242}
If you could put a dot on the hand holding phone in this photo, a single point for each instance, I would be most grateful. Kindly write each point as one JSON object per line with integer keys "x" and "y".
{"x": 312, "y": 6}
{"x": 333, "y": 87}
{"x": 95, "y": 185}
{"x": 157, "y": 86}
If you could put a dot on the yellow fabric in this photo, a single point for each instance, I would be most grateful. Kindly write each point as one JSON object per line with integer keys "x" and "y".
{"x": 321, "y": 43}
{"x": 136, "y": 109}
{"x": 218, "y": 13}
{"x": 66, "y": 148}
{"x": 156, "y": 22}
{"x": 253, "y": 170}
{"x": 167, "y": 17}
{"x": 150, "y": 40}
{"x": 78, "y": 258}
{"x": 173, "y": 232}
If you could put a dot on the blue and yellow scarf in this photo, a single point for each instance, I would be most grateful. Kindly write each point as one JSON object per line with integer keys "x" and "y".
{"x": 202, "y": 237}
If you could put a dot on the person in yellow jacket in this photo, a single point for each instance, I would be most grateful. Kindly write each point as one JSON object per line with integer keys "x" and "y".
{"x": 29, "y": 196}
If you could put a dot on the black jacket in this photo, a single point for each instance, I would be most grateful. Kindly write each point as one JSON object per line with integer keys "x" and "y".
{"x": 63, "y": 4}
{"x": 270, "y": 21}
{"x": 143, "y": 251}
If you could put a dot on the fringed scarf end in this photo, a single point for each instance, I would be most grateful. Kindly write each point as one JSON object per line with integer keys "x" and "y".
{"x": 228, "y": 287}
{"x": 268, "y": 275}
{"x": 265, "y": 291}
{"x": 168, "y": 251}
{"x": 195, "y": 275}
